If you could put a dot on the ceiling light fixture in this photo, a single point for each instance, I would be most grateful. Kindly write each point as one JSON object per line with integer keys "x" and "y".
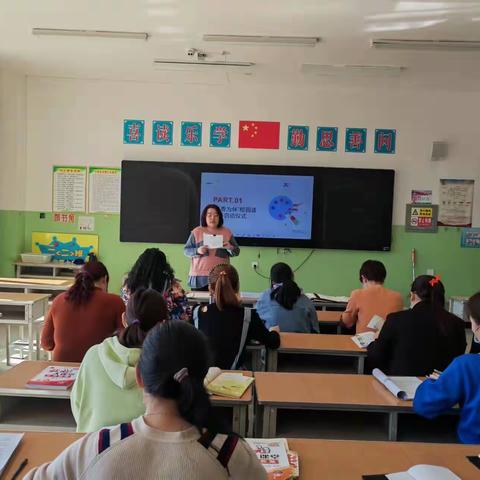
{"x": 351, "y": 70}
{"x": 209, "y": 63}
{"x": 90, "y": 33}
{"x": 425, "y": 44}
{"x": 263, "y": 40}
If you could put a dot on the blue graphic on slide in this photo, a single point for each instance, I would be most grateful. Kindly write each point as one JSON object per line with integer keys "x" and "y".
{"x": 261, "y": 206}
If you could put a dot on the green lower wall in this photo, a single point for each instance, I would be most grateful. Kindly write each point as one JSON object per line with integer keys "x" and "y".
{"x": 332, "y": 272}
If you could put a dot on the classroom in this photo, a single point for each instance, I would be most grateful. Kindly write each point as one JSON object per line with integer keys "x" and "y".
{"x": 145, "y": 148}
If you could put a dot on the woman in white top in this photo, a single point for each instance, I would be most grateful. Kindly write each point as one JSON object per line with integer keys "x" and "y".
{"x": 177, "y": 438}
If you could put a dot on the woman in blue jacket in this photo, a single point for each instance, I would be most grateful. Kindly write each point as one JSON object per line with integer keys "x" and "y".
{"x": 458, "y": 384}
{"x": 285, "y": 305}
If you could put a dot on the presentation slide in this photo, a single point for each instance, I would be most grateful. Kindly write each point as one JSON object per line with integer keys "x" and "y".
{"x": 261, "y": 206}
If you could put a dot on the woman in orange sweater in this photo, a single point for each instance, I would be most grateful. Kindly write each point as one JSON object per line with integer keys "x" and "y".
{"x": 82, "y": 316}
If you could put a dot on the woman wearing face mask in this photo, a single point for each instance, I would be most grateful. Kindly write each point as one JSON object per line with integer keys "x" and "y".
{"x": 203, "y": 257}
{"x": 419, "y": 340}
{"x": 458, "y": 384}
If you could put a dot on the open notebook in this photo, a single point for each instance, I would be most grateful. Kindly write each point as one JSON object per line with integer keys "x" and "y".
{"x": 403, "y": 388}
{"x": 226, "y": 384}
{"x": 418, "y": 472}
{"x": 8, "y": 444}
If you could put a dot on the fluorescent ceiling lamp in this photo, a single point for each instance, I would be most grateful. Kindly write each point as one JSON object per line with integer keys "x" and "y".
{"x": 263, "y": 40}
{"x": 425, "y": 44}
{"x": 206, "y": 63}
{"x": 90, "y": 33}
{"x": 351, "y": 70}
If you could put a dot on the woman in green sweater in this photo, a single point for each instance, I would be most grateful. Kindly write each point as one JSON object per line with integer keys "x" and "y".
{"x": 106, "y": 392}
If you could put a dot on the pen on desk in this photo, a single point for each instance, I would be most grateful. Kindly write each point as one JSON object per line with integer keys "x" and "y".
{"x": 19, "y": 469}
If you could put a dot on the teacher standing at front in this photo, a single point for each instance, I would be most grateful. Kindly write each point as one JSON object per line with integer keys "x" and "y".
{"x": 209, "y": 245}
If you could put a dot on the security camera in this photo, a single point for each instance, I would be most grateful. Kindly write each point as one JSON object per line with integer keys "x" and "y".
{"x": 191, "y": 52}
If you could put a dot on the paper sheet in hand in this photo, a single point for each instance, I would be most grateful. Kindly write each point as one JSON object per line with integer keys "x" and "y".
{"x": 8, "y": 444}
{"x": 376, "y": 322}
{"x": 363, "y": 340}
{"x": 403, "y": 388}
{"x": 424, "y": 472}
{"x": 213, "y": 241}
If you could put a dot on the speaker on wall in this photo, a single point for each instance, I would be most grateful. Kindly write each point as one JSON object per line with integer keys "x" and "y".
{"x": 439, "y": 150}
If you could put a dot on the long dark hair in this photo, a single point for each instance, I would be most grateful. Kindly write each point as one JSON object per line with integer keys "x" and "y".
{"x": 84, "y": 286}
{"x": 173, "y": 347}
{"x": 223, "y": 280}
{"x": 431, "y": 291}
{"x": 145, "y": 308}
{"x": 285, "y": 291}
{"x": 151, "y": 270}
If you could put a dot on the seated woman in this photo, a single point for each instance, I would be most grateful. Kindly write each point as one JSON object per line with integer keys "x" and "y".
{"x": 152, "y": 270}
{"x": 177, "y": 438}
{"x": 227, "y": 324}
{"x": 106, "y": 392}
{"x": 421, "y": 339}
{"x": 284, "y": 304}
{"x": 458, "y": 384}
{"x": 82, "y": 316}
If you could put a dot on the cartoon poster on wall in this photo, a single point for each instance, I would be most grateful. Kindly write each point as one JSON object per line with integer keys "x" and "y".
{"x": 456, "y": 200}
{"x": 66, "y": 247}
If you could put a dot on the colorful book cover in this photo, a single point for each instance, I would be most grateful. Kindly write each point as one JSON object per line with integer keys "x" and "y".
{"x": 54, "y": 378}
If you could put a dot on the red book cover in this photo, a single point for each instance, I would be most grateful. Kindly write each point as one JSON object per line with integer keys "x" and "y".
{"x": 253, "y": 134}
{"x": 54, "y": 378}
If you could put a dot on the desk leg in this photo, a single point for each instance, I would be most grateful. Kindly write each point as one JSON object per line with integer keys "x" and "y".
{"x": 272, "y": 360}
{"x": 269, "y": 422}
{"x": 339, "y": 328}
{"x": 30, "y": 332}
{"x": 257, "y": 360}
{"x": 236, "y": 419}
{"x": 250, "y": 418}
{"x": 243, "y": 414}
{"x": 361, "y": 365}
{"x": 392, "y": 426}
{"x": 7, "y": 343}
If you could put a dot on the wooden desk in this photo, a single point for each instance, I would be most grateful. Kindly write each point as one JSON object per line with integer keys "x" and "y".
{"x": 349, "y": 460}
{"x": 320, "y": 391}
{"x": 330, "y": 318}
{"x": 317, "y": 344}
{"x": 319, "y": 459}
{"x": 39, "y": 448}
{"x": 44, "y": 285}
{"x": 47, "y": 270}
{"x": 22, "y": 309}
{"x": 31, "y": 409}
{"x": 247, "y": 298}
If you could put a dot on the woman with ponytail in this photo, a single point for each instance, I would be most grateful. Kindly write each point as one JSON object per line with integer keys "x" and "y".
{"x": 285, "y": 305}
{"x": 106, "y": 391}
{"x": 82, "y": 316}
{"x": 177, "y": 437}
{"x": 227, "y": 324}
{"x": 422, "y": 339}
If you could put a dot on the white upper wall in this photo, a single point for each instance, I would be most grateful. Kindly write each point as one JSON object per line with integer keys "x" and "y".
{"x": 79, "y": 122}
{"x": 12, "y": 140}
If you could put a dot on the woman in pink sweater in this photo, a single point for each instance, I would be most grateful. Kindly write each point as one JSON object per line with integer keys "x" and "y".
{"x": 203, "y": 257}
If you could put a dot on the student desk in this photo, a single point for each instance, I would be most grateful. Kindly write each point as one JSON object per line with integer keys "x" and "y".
{"x": 349, "y": 460}
{"x": 29, "y": 285}
{"x": 247, "y": 298}
{"x": 330, "y": 318}
{"x": 22, "y": 309}
{"x": 32, "y": 409}
{"x": 317, "y": 344}
{"x": 319, "y": 391}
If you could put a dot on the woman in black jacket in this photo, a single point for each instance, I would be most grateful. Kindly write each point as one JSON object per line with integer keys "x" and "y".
{"x": 228, "y": 325}
{"x": 414, "y": 342}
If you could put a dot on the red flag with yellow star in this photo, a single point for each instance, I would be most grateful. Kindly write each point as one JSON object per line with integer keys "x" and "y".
{"x": 253, "y": 134}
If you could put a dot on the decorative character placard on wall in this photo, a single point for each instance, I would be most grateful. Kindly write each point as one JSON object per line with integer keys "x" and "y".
{"x": 470, "y": 238}
{"x": 456, "y": 200}
{"x": 69, "y": 189}
{"x": 104, "y": 190}
{"x": 421, "y": 218}
{"x": 66, "y": 247}
{"x": 220, "y": 134}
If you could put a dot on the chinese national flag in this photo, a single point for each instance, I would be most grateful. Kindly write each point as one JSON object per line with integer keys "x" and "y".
{"x": 252, "y": 134}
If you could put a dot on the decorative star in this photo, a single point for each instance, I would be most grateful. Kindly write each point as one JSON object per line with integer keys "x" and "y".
{"x": 245, "y": 128}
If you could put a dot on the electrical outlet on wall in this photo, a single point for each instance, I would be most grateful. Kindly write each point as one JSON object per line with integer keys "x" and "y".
{"x": 254, "y": 265}
{"x": 430, "y": 271}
